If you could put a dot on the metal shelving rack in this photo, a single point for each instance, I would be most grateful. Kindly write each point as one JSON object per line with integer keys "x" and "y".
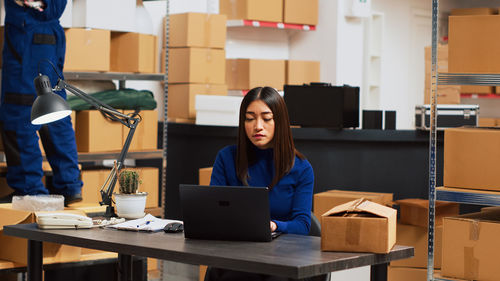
{"x": 449, "y": 194}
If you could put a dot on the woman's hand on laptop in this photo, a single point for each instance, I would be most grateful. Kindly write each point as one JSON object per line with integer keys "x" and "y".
{"x": 273, "y": 226}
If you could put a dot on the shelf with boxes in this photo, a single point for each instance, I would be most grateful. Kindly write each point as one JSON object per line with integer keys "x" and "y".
{"x": 470, "y": 154}
{"x": 248, "y": 62}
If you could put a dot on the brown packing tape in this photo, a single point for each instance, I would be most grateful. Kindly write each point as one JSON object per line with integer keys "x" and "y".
{"x": 234, "y": 8}
{"x": 207, "y": 36}
{"x": 474, "y": 230}
{"x": 234, "y": 73}
{"x": 471, "y": 264}
{"x": 352, "y": 231}
{"x": 209, "y": 62}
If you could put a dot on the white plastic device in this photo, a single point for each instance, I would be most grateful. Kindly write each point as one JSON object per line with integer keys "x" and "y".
{"x": 62, "y": 221}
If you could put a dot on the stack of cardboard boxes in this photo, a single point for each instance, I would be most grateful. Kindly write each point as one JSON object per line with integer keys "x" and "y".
{"x": 196, "y": 61}
{"x": 470, "y": 242}
{"x": 100, "y": 41}
{"x": 412, "y": 230}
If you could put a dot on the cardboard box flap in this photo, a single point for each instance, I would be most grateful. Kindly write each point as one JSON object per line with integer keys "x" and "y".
{"x": 9, "y": 217}
{"x": 361, "y": 206}
{"x": 422, "y": 203}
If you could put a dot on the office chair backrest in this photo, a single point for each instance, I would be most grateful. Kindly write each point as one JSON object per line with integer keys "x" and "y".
{"x": 315, "y": 229}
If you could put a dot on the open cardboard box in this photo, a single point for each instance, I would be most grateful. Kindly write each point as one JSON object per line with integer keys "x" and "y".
{"x": 326, "y": 200}
{"x": 16, "y": 249}
{"x": 359, "y": 226}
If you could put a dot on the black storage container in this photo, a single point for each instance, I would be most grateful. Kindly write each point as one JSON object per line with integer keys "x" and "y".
{"x": 448, "y": 116}
{"x": 323, "y": 105}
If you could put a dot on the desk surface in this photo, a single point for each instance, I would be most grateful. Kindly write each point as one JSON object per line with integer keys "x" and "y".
{"x": 289, "y": 255}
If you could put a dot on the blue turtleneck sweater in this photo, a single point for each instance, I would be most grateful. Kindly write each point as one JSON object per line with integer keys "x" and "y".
{"x": 290, "y": 200}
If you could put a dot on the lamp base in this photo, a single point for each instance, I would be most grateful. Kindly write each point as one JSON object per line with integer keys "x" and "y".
{"x": 110, "y": 212}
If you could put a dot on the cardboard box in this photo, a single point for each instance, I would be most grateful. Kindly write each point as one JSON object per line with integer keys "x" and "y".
{"x": 134, "y": 52}
{"x": 94, "y": 133}
{"x": 4, "y": 187}
{"x": 146, "y": 133}
{"x": 417, "y": 237}
{"x": 94, "y": 179}
{"x": 470, "y": 243}
{"x": 359, "y": 226}
{"x": 150, "y": 184}
{"x": 406, "y": 274}
{"x": 324, "y": 201}
{"x": 471, "y": 51}
{"x": 261, "y": 10}
{"x": 181, "y": 98}
{"x": 470, "y": 89}
{"x": 116, "y": 15}
{"x": 447, "y": 94}
{"x": 87, "y": 50}
{"x": 205, "y": 175}
{"x": 300, "y": 11}
{"x": 245, "y": 74}
{"x": 415, "y": 211}
{"x": 300, "y": 72}
{"x": 488, "y": 122}
{"x": 92, "y": 183}
{"x": 197, "y": 30}
{"x": 197, "y": 65}
{"x": 412, "y": 274}
{"x": 473, "y": 11}
{"x": 16, "y": 249}
{"x": 471, "y": 158}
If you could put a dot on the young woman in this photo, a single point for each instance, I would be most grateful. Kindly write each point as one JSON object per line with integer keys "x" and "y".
{"x": 266, "y": 156}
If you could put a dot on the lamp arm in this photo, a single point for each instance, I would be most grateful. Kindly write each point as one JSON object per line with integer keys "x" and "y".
{"x": 99, "y": 105}
{"x": 109, "y": 185}
{"x": 129, "y": 121}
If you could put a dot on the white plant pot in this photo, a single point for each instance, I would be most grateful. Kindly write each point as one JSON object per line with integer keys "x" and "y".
{"x": 130, "y": 206}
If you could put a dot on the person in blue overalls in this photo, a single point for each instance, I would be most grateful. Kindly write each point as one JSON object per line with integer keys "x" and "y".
{"x": 32, "y": 37}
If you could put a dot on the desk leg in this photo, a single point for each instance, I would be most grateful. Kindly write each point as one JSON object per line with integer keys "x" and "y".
{"x": 378, "y": 272}
{"x": 35, "y": 260}
{"x": 124, "y": 267}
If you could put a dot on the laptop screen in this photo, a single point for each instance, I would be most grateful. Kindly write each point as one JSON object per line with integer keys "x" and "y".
{"x": 225, "y": 212}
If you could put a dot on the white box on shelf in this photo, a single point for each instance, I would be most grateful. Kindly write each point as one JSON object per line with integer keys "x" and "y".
{"x": 217, "y": 110}
{"x": 65, "y": 19}
{"x": 114, "y": 15}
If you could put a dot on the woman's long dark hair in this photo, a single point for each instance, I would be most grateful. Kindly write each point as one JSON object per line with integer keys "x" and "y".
{"x": 282, "y": 142}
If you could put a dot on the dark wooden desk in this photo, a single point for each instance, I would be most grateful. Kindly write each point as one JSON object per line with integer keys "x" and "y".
{"x": 289, "y": 255}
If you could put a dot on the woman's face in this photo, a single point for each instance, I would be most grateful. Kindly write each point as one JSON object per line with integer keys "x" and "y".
{"x": 259, "y": 124}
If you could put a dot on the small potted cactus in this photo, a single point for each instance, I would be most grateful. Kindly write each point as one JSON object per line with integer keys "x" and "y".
{"x": 130, "y": 203}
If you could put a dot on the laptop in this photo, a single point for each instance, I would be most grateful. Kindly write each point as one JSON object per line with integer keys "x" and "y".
{"x": 226, "y": 212}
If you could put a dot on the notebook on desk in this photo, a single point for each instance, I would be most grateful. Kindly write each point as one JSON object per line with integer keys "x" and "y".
{"x": 226, "y": 212}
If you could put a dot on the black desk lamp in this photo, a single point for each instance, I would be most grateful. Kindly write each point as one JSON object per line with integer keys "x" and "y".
{"x": 49, "y": 107}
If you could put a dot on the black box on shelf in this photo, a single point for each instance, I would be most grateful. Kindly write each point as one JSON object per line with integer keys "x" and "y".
{"x": 448, "y": 116}
{"x": 323, "y": 105}
{"x": 390, "y": 120}
{"x": 372, "y": 119}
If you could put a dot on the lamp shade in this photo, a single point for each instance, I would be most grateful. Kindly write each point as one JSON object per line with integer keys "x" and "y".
{"x": 48, "y": 106}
